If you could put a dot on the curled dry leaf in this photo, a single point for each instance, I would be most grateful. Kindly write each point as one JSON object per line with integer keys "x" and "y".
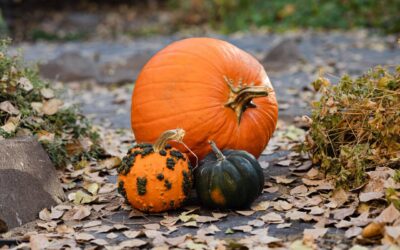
{"x": 373, "y": 230}
{"x": 45, "y": 215}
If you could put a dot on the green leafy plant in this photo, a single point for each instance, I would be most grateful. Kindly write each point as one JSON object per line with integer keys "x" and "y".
{"x": 234, "y": 15}
{"x": 356, "y": 125}
{"x": 29, "y": 107}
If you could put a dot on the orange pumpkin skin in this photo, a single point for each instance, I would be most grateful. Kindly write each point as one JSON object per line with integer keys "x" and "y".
{"x": 155, "y": 181}
{"x": 185, "y": 85}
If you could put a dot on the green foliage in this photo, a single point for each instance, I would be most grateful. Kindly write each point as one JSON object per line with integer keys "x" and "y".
{"x": 356, "y": 125}
{"x": 233, "y": 15}
{"x": 67, "y": 136}
{"x": 3, "y": 26}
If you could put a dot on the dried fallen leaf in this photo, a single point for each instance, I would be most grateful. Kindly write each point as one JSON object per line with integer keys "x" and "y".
{"x": 47, "y": 93}
{"x": 45, "y": 215}
{"x": 245, "y": 212}
{"x": 372, "y": 230}
{"x": 261, "y": 206}
{"x": 153, "y": 226}
{"x": 112, "y": 236}
{"x": 299, "y": 190}
{"x": 284, "y": 225}
{"x": 284, "y": 163}
{"x": 256, "y": 223}
{"x": 283, "y": 180}
{"x": 9, "y": 108}
{"x": 110, "y": 163}
{"x": 93, "y": 223}
{"x": 99, "y": 242}
{"x": 92, "y": 188}
{"x": 81, "y": 212}
{"x": 132, "y": 243}
{"x": 365, "y": 197}
{"x": 176, "y": 241}
{"x": 340, "y": 214}
{"x": 271, "y": 189}
{"x": 393, "y": 232}
{"x": 218, "y": 215}
{"x": 84, "y": 237}
{"x": 315, "y": 232}
{"x": 281, "y": 205}
{"x": 52, "y": 106}
{"x": 25, "y": 84}
{"x": 389, "y": 215}
{"x": 353, "y": 232}
{"x": 38, "y": 242}
{"x": 131, "y": 234}
{"x": 245, "y": 228}
{"x": 83, "y": 198}
{"x": 272, "y": 217}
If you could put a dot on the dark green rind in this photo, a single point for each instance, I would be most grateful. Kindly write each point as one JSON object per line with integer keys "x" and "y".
{"x": 239, "y": 177}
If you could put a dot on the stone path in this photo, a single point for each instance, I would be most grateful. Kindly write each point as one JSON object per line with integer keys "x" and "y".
{"x": 119, "y": 62}
{"x": 332, "y": 53}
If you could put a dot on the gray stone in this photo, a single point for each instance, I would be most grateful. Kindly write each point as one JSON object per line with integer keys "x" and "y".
{"x": 69, "y": 66}
{"x": 125, "y": 70}
{"x": 28, "y": 182}
{"x": 282, "y": 56}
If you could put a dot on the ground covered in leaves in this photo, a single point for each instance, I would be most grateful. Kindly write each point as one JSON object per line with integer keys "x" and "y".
{"x": 300, "y": 207}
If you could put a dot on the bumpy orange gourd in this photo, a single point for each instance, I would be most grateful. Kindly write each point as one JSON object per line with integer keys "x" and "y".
{"x": 156, "y": 178}
{"x": 210, "y": 88}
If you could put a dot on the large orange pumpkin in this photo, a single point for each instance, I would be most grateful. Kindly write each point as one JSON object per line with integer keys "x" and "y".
{"x": 210, "y": 88}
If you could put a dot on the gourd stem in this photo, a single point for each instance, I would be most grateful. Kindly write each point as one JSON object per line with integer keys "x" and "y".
{"x": 240, "y": 99}
{"x": 173, "y": 134}
{"x": 216, "y": 150}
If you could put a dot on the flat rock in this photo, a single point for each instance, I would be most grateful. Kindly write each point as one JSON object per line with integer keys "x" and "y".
{"x": 28, "y": 182}
{"x": 69, "y": 66}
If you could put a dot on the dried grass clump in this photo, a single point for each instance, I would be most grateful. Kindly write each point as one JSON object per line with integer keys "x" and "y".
{"x": 356, "y": 125}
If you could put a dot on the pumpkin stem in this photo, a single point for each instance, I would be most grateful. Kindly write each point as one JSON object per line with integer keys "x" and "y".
{"x": 241, "y": 96}
{"x": 216, "y": 150}
{"x": 173, "y": 134}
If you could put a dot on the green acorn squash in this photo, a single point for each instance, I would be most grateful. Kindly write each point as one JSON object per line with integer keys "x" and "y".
{"x": 228, "y": 179}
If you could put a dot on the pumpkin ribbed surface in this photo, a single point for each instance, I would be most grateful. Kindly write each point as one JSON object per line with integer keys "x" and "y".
{"x": 211, "y": 89}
